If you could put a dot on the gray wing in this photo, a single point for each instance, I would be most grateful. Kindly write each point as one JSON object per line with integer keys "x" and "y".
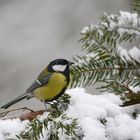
{"x": 39, "y": 83}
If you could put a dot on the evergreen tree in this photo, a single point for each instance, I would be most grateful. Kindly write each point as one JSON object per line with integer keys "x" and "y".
{"x": 108, "y": 58}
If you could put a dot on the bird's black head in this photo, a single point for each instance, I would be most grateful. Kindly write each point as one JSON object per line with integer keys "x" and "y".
{"x": 59, "y": 65}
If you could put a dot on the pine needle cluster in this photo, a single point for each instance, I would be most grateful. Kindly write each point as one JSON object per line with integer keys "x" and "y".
{"x": 55, "y": 124}
{"x": 103, "y": 61}
{"x": 136, "y": 6}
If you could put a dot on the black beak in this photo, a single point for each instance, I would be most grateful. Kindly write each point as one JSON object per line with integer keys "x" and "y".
{"x": 71, "y": 63}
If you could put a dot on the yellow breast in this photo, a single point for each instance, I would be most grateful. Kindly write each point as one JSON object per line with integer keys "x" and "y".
{"x": 53, "y": 88}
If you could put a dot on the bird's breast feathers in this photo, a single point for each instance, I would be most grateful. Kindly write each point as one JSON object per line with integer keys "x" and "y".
{"x": 53, "y": 88}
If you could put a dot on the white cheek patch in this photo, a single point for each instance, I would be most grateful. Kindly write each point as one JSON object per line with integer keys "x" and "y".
{"x": 59, "y": 67}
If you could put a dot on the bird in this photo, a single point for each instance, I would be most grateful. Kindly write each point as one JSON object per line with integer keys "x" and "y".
{"x": 49, "y": 85}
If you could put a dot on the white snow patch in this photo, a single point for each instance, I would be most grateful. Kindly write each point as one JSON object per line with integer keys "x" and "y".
{"x": 127, "y": 17}
{"x": 85, "y": 30}
{"x": 135, "y": 53}
{"x": 90, "y": 109}
{"x": 88, "y": 29}
{"x": 123, "y": 127}
{"x": 135, "y": 89}
{"x": 9, "y": 128}
{"x": 128, "y": 54}
{"x": 123, "y": 53}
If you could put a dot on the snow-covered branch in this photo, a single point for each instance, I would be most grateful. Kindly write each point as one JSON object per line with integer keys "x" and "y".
{"x": 100, "y": 117}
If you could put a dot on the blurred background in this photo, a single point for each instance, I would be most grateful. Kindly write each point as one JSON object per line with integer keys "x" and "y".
{"x": 34, "y": 32}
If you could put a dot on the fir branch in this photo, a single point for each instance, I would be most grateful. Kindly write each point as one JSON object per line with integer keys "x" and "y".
{"x": 103, "y": 62}
{"x": 112, "y": 30}
{"x": 136, "y": 5}
{"x": 96, "y": 70}
{"x": 3, "y": 114}
{"x": 55, "y": 124}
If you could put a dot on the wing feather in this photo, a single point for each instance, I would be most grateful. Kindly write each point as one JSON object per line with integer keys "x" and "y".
{"x": 39, "y": 83}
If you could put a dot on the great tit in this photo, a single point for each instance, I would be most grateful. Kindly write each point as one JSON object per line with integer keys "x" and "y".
{"x": 49, "y": 85}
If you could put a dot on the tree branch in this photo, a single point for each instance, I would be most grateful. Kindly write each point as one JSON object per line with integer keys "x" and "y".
{"x": 25, "y": 116}
{"x": 132, "y": 98}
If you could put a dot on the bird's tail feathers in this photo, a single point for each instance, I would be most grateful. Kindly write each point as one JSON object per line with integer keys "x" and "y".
{"x": 17, "y": 99}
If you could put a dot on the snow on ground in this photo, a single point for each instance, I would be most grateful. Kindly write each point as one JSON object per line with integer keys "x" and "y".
{"x": 10, "y": 128}
{"x": 91, "y": 110}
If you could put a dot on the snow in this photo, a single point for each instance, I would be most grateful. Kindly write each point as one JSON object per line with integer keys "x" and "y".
{"x": 128, "y": 22}
{"x": 11, "y": 128}
{"x": 90, "y": 110}
{"x": 125, "y": 54}
{"x": 127, "y": 17}
{"x": 87, "y": 29}
{"x": 135, "y": 89}
{"x": 123, "y": 22}
{"x": 123, "y": 127}
{"x": 135, "y": 53}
